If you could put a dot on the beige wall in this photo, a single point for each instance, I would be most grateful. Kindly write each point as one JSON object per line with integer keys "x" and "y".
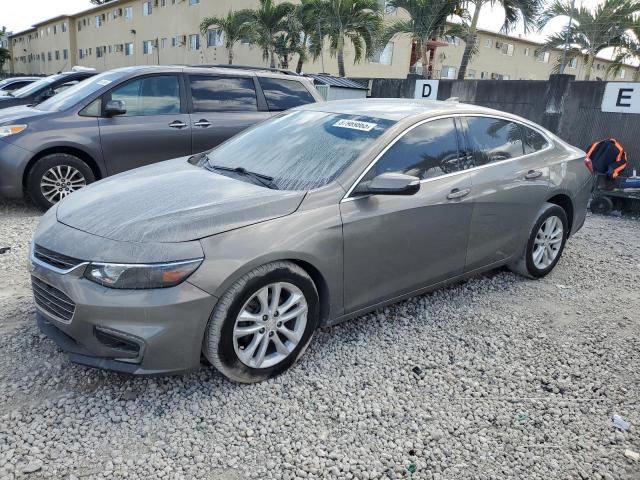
{"x": 179, "y": 18}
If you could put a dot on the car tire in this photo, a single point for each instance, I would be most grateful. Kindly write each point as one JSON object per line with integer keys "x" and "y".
{"x": 72, "y": 173}
{"x": 545, "y": 243}
{"x": 601, "y": 205}
{"x": 245, "y": 319}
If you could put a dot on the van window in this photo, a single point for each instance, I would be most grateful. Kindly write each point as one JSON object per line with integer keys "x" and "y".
{"x": 284, "y": 94}
{"x": 494, "y": 139}
{"x": 154, "y": 95}
{"x": 223, "y": 94}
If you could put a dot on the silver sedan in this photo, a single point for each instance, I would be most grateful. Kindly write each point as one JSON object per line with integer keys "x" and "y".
{"x": 323, "y": 213}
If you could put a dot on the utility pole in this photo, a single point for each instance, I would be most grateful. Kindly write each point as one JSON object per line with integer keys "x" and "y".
{"x": 566, "y": 39}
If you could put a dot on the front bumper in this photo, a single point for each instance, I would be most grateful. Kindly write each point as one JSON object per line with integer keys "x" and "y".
{"x": 13, "y": 162}
{"x": 141, "y": 332}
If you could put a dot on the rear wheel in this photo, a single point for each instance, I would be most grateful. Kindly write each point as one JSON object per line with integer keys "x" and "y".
{"x": 56, "y": 176}
{"x": 263, "y": 323}
{"x": 545, "y": 244}
{"x": 601, "y": 205}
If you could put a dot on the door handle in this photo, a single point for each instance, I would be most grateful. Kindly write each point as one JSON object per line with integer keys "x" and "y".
{"x": 177, "y": 124}
{"x": 533, "y": 174}
{"x": 457, "y": 193}
{"x": 202, "y": 123}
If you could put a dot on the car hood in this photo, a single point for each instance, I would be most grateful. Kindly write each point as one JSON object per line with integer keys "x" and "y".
{"x": 172, "y": 201}
{"x": 18, "y": 114}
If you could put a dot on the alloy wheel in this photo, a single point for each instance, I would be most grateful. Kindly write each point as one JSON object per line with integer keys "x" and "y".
{"x": 270, "y": 325}
{"x": 60, "y": 181}
{"x": 548, "y": 242}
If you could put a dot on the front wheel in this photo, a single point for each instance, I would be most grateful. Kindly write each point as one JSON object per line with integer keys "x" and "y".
{"x": 545, "y": 244}
{"x": 263, "y": 323}
{"x": 56, "y": 176}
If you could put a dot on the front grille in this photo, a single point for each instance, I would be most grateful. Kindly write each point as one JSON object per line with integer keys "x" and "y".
{"x": 52, "y": 300}
{"x": 57, "y": 260}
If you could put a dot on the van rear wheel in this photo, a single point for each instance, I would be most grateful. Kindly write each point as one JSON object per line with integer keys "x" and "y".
{"x": 55, "y": 176}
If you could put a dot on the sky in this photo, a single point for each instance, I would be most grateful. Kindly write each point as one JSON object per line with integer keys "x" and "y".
{"x": 19, "y": 15}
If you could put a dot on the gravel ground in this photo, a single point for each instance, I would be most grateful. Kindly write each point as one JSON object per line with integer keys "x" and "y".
{"x": 498, "y": 377}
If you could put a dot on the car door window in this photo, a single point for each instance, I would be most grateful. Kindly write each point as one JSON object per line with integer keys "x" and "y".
{"x": 494, "y": 139}
{"x": 155, "y": 95}
{"x": 427, "y": 151}
{"x": 533, "y": 141}
{"x": 16, "y": 85}
{"x": 223, "y": 94}
{"x": 284, "y": 94}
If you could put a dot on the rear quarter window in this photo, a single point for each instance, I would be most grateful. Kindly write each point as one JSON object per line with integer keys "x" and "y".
{"x": 494, "y": 139}
{"x": 533, "y": 141}
{"x": 284, "y": 94}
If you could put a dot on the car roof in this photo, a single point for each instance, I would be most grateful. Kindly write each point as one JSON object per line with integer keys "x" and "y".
{"x": 397, "y": 109}
{"x": 20, "y": 79}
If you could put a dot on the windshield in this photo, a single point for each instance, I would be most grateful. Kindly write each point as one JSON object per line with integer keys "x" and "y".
{"x": 35, "y": 86}
{"x": 300, "y": 150}
{"x": 72, "y": 95}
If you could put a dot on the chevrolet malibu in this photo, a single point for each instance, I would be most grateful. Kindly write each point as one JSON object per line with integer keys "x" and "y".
{"x": 322, "y": 213}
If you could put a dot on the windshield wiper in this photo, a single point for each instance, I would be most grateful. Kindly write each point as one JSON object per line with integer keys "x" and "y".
{"x": 264, "y": 180}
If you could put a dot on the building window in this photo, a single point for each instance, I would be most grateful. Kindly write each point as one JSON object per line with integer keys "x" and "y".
{"x": 488, "y": 43}
{"x": 471, "y": 74}
{"x": 57, "y": 54}
{"x": 128, "y": 13}
{"x": 64, "y": 27}
{"x": 147, "y": 9}
{"x": 573, "y": 63}
{"x": 55, "y": 30}
{"x": 163, "y": 42}
{"x": 215, "y": 38}
{"x": 128, "y": 49}
{"x": 98, "y": 52}
{"x": 194, "y": 42}
{"x": 448, "y": 72}
{"x": 484, "y": 75}
{"x": 49, "y": 56}
{"x": 383, "y": 56}
{"x": 65, "y": 54}
{"x": 98, "y": 21}
{"x": 194, "y": 2}
{"x": 452, "y": 40}
{"x": 622, "y": 73}
{"x": 147, "y": 47}
{"x": 505, "y": 48}
{"x": 526, "y": 51}
{"x": 542, "y": 57}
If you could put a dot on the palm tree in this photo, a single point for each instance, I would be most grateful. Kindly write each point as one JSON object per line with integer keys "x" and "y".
{"x": 628, "y": 52}
{"x": 514, "y": 10}
{"x": 359, "y": 21}
{"x": 235, "y": 27}
{"x": 591, "y": 31}
{"x": 427, "y": 22}
{"x": 308, "y": 31}
{"x": 267, "y": 22}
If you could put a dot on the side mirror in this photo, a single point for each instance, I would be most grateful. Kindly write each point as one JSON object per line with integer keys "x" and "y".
{"x": 389, "y": 183}
{"x": 115, "y": 107}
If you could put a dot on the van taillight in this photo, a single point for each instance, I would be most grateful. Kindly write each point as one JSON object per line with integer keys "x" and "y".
{"x": 588, "y": 164}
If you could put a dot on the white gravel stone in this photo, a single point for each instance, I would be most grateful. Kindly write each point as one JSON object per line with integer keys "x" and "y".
{"x": 515, "y": 379}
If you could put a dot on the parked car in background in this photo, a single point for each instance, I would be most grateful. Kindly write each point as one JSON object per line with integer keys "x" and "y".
{"x": 44, "y": 88}
{"x": 14, "y": 83}
{"x": 130, "y": 117}
{"x": 320, "y": 214}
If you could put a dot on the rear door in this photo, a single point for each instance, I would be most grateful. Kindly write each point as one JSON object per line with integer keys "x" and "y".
{"x": 221, "y": 106}
{"x": 155, "y": 127}
{"x": 508, "y": 187}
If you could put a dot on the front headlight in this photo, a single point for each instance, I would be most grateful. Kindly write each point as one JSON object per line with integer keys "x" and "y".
{"x": 141, "y": 276}
{"x": 6, "y": 130}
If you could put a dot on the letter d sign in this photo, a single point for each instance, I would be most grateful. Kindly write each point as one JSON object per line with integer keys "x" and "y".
{"x": 427, "y": 89}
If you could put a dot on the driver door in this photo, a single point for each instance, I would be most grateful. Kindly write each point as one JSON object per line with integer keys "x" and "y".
{"x": 397, "y": 244}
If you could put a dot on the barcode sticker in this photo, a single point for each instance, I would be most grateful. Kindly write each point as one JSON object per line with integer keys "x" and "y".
{"x": 355, "y": 125}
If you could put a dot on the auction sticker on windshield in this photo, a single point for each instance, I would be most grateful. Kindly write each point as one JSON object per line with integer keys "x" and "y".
{"x": 355, "y": 125}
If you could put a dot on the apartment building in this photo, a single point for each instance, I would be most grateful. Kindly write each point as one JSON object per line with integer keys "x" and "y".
{"x": 150, "y": 32}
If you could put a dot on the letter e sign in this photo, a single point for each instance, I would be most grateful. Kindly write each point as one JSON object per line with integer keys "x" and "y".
{"x": 427, "y": 89}
{"x": 621, "y": 97}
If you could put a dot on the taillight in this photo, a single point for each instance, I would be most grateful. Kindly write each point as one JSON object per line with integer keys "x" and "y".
{"x": 588, "y": 164}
